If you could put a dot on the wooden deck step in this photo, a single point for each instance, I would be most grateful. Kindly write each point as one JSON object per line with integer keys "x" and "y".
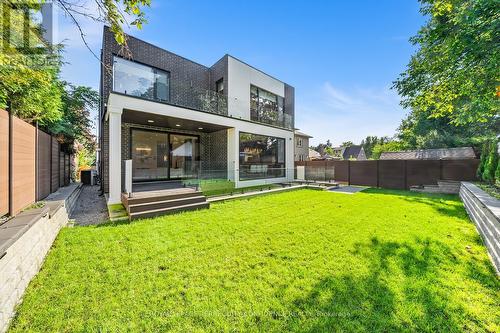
{"x": 157, "y": 204}
{"x": 154, "y": 203}
{"x": 169, "y": 210}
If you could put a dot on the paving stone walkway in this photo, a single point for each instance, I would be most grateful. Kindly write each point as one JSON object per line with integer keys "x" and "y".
{"x": 90, "y": 208}
{"x": 348, "y": 189}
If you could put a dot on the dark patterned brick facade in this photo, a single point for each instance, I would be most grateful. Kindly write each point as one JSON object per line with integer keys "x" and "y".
{"x": 184, "y": 75}
{"x": 219, "y": 71}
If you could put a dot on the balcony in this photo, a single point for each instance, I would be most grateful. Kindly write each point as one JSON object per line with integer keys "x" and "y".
{"x": 275, "y": 117}
{"x": 134, "y": 79}
{"x": 197, "y": 98}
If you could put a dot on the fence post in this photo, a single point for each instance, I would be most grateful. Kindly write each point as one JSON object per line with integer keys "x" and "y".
{"x": 406, "y": 174}
{"x": 325, "y": 171}
{"x": 348, "y": 172}
{"x": 37, "y": 176}
{"x": 378, "y": 173}
{"x": 440, "y": 169}
{"x": 11, "y": 169}
{"x": 51, "y": 171}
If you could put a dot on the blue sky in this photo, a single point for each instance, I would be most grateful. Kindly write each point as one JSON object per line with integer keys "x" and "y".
{"x": 341, "y": 56}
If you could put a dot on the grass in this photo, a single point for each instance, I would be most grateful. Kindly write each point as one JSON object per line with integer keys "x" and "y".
{"x": 219, "y": 187}
{"x": 308, "y": 261}
{"x": 117, "y": 212}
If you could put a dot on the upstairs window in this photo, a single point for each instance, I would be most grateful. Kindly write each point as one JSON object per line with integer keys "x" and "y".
{"x": 299, "y": 142}
{"x": 266, "y": 107}
{"x": 219, "y": 86}
{"x": 135, "y": 79}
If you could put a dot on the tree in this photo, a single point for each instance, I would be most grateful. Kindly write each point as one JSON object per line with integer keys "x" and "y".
{"x": 347, "y": 144}
{"x": 380, "y": 148}
{"x": 419, "y": 131}
{"x": 488, "y": 167}
{"x": 115, "y": 13}
{"x": 371, "y": 141}
{"x": 28, "y": 76}
{"x": 454, "y": 73}
{"x": 75, "y": 123}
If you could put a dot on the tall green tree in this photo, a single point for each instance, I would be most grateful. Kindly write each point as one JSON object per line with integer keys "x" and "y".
{"x": 455, "y": 72}
{"x": 370, "y": 142}
{"x": 419, "y": 131}
{"x": 28, "y": 76}
{"x": 76, "y": 124}
{"x": 391, "y": 145}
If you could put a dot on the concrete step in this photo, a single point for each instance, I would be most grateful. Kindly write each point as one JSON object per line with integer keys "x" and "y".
{"x": 159, "y": 204}
{"x": 169, "y": 210}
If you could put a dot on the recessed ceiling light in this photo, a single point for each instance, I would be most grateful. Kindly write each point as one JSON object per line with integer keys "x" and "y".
{"x": 200, "y": 128}
{"x": 177, "y": 125}
{"x": 150, "y": 121}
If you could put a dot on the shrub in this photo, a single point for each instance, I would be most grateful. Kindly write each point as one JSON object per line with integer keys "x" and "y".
{"x": 497, "y": 175}
{"x": 488, "y": 168}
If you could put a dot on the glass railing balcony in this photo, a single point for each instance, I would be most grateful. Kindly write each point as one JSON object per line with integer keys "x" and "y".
{"x": 275, "y": 118}
{"x": 197, "y": 99}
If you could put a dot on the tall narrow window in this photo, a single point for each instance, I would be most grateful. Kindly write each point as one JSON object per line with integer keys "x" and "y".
{"x": 219, "y": 86}
{"x": 139, "y": 80}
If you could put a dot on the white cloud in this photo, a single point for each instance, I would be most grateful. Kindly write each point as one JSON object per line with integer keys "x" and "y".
{"x": 340, "y": 115}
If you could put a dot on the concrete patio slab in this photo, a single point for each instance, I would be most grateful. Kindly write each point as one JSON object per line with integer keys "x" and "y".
{"x": 348, "y": 189}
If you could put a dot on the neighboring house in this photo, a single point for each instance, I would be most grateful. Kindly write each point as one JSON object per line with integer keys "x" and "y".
{"x": 431, "y": 154}
{"x": 349, "y": 153}
{"x": 314, "y": 155}
{"x": 301, "y": 147}
{"x": 177, "y": 119}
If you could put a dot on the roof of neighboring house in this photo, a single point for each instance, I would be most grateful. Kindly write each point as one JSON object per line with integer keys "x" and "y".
{"x": 353, "y": 151}
{"x": 314, "y": 154}
{"x": 430, "y": 154}
{"x": 302, "y": 134}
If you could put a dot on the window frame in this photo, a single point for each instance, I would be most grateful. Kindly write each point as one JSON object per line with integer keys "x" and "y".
{"x": 219, "y": 81}
{"x": 155, "y": 71}
{"x": 259, "y": 116}
{"x": 267, "y": 176}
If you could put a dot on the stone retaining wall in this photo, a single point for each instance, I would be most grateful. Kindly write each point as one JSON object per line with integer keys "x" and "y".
{"x": 27, "y": 238}
{"x": 484, "y": 211}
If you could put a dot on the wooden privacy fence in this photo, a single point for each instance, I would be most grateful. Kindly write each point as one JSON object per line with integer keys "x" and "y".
{"x": 32, "y": 164}
{"x": 391, "y": 174}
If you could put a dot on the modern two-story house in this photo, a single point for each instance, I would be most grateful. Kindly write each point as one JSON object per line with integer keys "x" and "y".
{"x": 177, "y": 119}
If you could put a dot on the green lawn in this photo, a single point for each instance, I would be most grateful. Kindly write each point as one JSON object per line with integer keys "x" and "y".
{"x": 308, "y": 261}
{"x": 220, "y": 187}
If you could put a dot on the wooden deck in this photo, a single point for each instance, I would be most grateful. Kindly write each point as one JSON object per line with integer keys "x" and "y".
{"x": 159, "y": 198}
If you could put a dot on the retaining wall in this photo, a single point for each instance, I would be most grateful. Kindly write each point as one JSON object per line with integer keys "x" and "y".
{"x": 24, "y": 242}
{"x": 484, "y": 211}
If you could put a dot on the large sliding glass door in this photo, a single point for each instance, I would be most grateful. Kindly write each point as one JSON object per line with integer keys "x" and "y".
{"x": 183, "y": 156}
{"x": 162, "y": 156}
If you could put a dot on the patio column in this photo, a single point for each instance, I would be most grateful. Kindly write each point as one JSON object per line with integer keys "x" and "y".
{"x": 233, "y": 155}
{"x": 115, "y": 155}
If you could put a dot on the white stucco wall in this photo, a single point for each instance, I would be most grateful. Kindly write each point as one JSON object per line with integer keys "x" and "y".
{"x": 240, "y": 77}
